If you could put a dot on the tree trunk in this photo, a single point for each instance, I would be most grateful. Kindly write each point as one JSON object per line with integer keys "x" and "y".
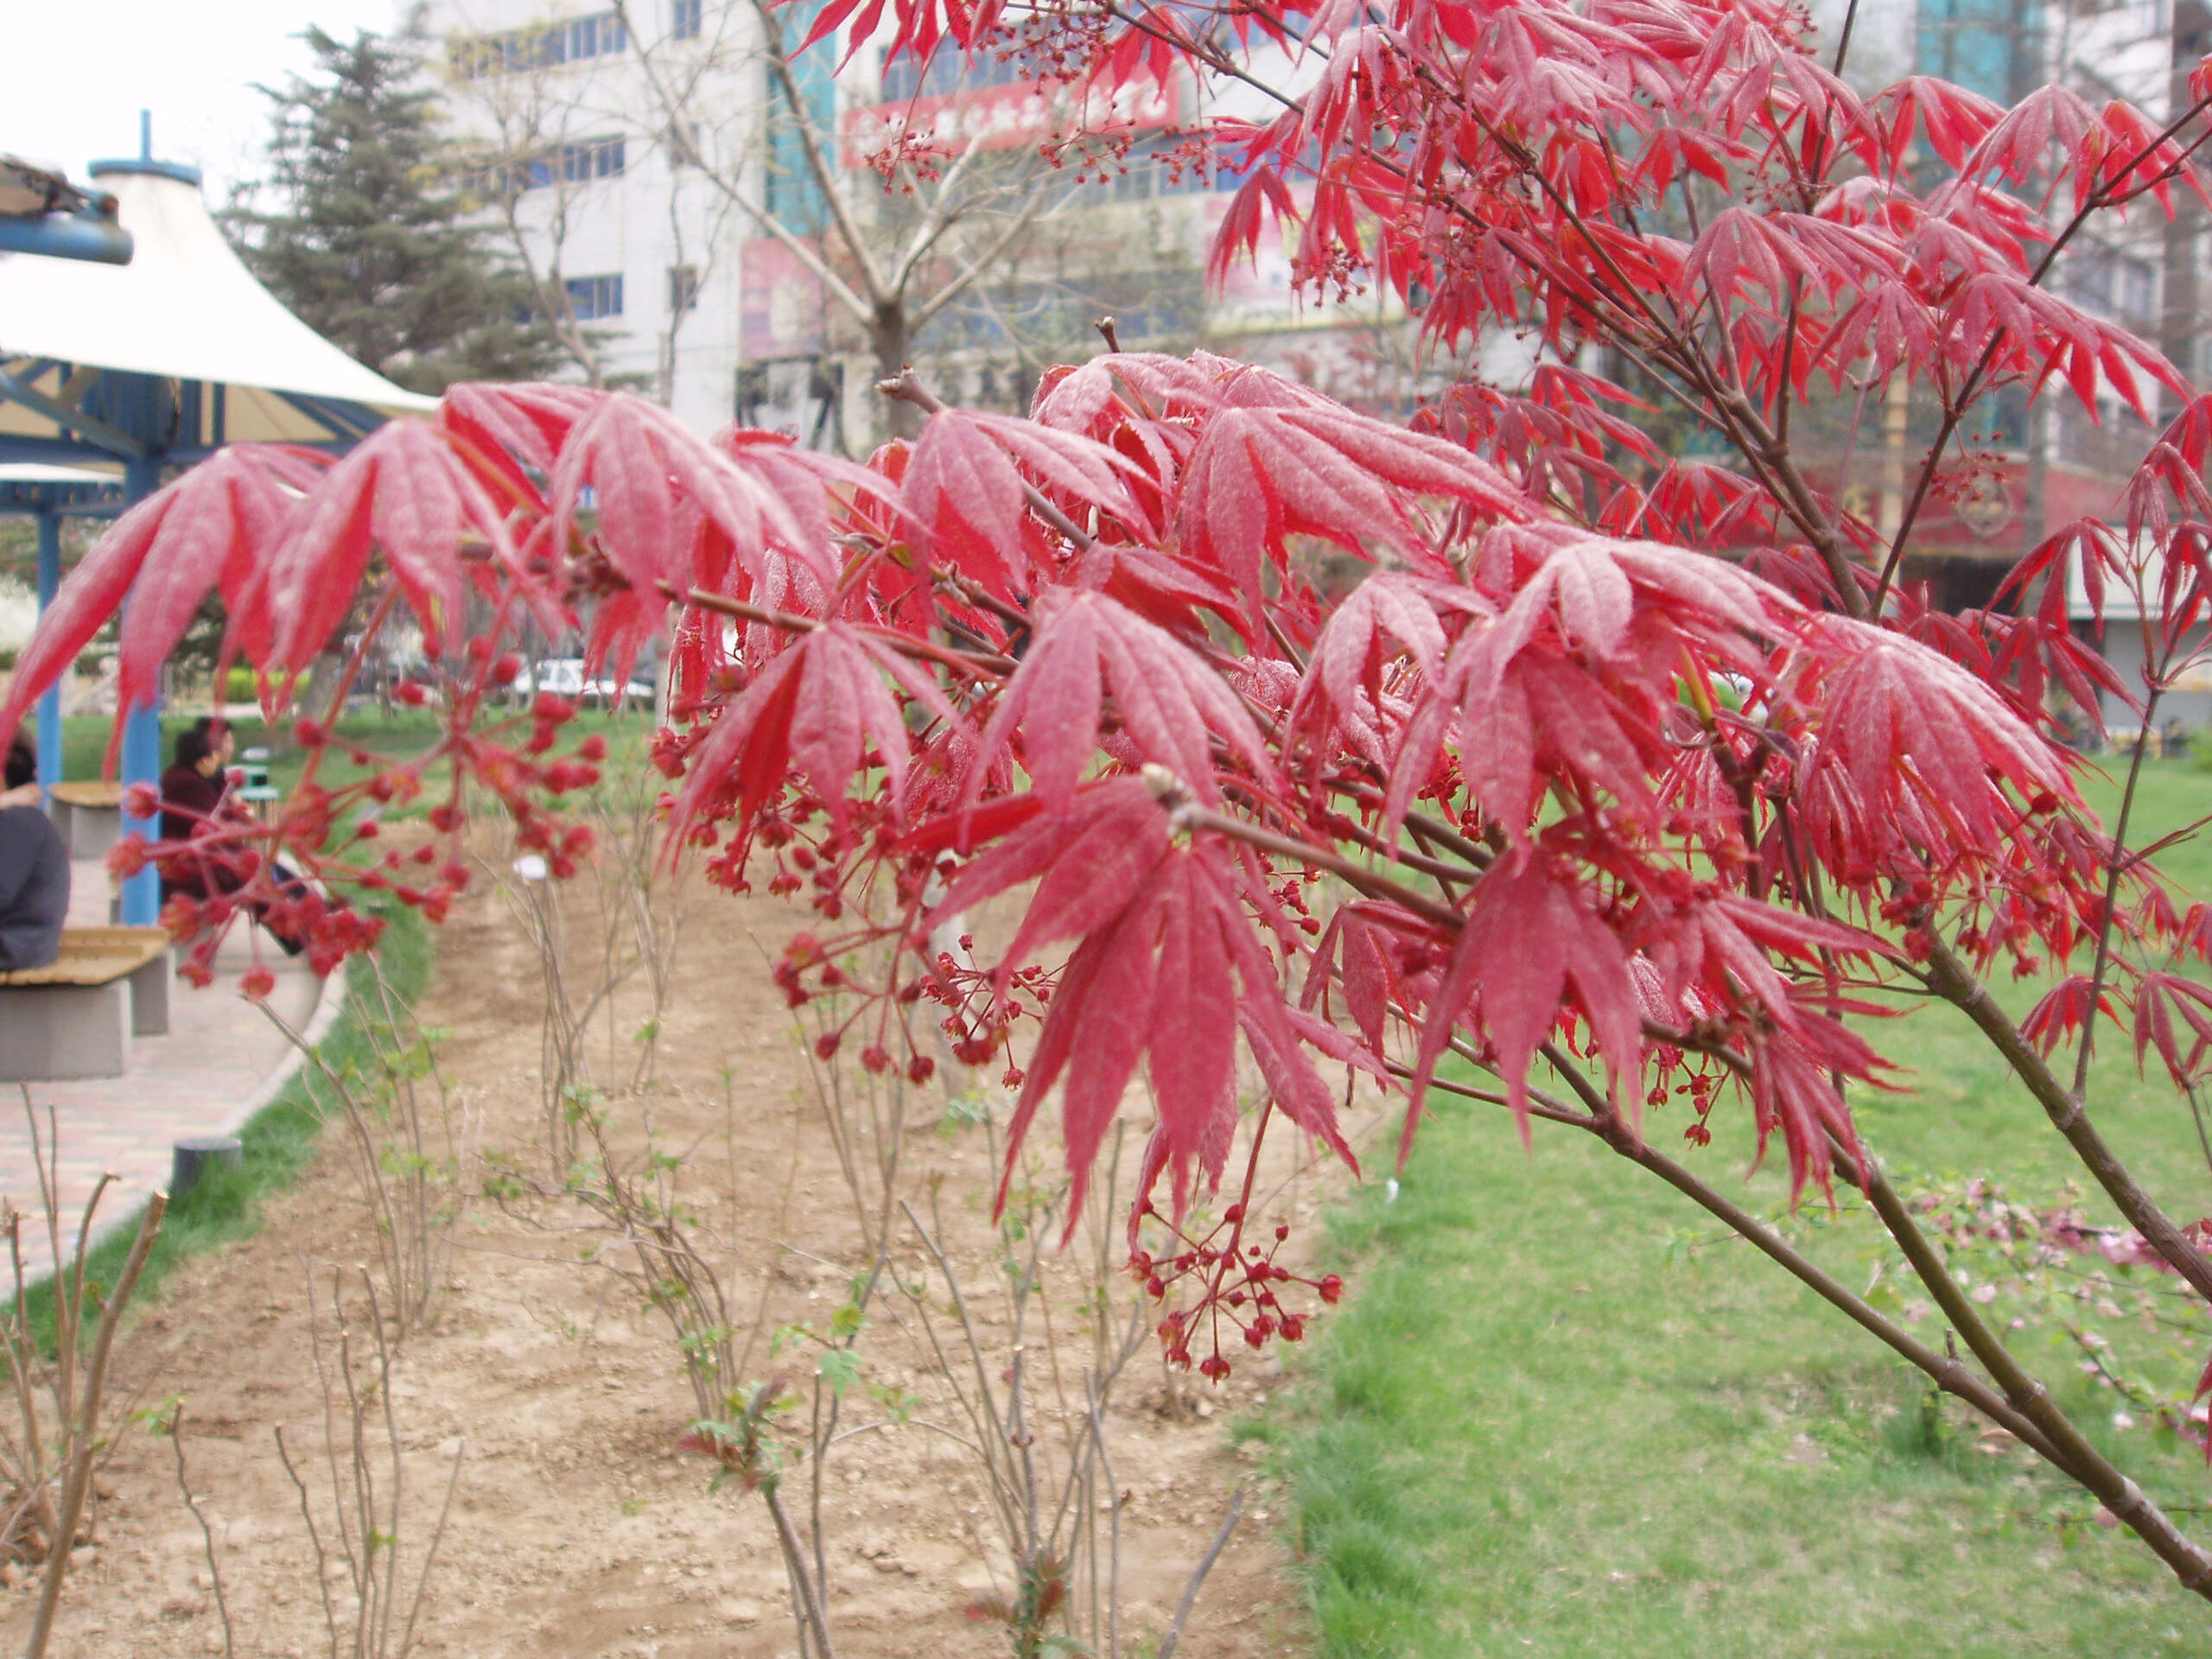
{"x": 888, "y": 339}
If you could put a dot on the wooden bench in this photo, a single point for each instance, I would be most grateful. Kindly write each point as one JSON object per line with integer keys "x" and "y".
{"x": 89, "y": 816}
{"x": 75, "y": 1017}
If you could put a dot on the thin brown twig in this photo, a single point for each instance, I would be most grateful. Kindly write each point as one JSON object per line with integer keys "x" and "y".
{"x": 1198, "y": 1574}
{"x": 206, "y": 1532}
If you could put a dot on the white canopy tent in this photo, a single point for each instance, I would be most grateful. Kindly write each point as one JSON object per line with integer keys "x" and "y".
{"x": 31, "y": 472}
{"x": 185, "y": 311}
{"x": 139, "y": 368}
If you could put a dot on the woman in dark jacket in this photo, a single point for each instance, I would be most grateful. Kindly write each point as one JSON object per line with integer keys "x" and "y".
{"x": 34, "y": 869}
{"x": 194, "y": 797}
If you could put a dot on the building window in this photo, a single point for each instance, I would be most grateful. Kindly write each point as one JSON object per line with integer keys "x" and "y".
{"x": 592, "y": 297}
{"x": 684, "y": 20}
{"x": 576, "y": 164}
{"x": 683, "y": 289}
{"x": 593, "y": 158}
{"x": 2114, "y": 284}
{"x": 599, "y": 35}
{"x": 541, "y": 46}
{"x": 2135, "y": 295}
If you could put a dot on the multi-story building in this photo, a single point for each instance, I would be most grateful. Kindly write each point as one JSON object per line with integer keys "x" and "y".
{"x": 695, "y": 238}
{"x": 691, "y": 205}
{"x": 627, "y": 242}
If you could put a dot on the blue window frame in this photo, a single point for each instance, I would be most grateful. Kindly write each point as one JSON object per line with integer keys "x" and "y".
{"x": 684, "y": 17}
{"x": 543, "y": 46}
{"x": 592, "y": 297}
{"x": 593, "y": 158}
{"x": 600, "y": 34}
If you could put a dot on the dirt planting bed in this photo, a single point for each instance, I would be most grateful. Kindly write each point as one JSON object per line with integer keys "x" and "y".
{"x": 576, "y": 1527}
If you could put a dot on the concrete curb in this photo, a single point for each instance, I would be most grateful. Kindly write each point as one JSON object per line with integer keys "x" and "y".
{"x": 328, "y": 1006}
{"x": 327, "y": 1010}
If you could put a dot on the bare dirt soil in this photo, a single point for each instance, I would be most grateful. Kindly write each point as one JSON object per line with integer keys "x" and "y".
{"x": 576, "y": 1527}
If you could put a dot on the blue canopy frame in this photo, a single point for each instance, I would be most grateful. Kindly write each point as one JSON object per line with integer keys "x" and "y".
{"x": 152, "y": 426}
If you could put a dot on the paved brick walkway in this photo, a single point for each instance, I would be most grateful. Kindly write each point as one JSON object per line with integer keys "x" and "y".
{"x": 218, "y": 1064}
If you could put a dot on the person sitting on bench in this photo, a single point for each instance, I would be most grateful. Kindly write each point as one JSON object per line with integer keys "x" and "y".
{"x": 34, "y": 869}
{"x": 195, "y": 798}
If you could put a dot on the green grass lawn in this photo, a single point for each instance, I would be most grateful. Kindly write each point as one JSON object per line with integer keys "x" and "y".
{"x": 1562, "y": 1413}
{"x": 382, "y": 740}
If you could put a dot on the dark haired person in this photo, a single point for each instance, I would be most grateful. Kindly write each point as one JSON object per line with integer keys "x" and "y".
{"x": 34, "y": 869}
{"x": 192, "y": 790}
{"x": 193, "y": 795}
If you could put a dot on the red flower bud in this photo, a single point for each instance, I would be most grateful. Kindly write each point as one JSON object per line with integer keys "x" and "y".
{"x": 128, "y": 856}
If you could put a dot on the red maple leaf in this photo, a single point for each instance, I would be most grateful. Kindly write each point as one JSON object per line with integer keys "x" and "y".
{"x": 1169, "y": 703}
{"x": 209, "y": 529}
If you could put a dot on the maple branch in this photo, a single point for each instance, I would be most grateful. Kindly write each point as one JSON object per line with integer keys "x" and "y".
{"x": 1952, "y": 980}
{"x": 1171, "y": 793}
{"x": 2067, "y": 1450}
{"x": 1430, "y": 831}
{"x": 1214, "y": 58}
{"x": 1740, "y": 420}
{"x": 2024, "y": 1409}
{"x": 972, "y": 268}
{"x": 1421, "y": 861}
{"x": 1950, "y": 1375}
{"x": 2118, "y": 862}
{"x": 1746, "y": 427}
{"x": 980, "y": 665}
{"x": 974, "y": 593}
{"x": 1843, "y": 38}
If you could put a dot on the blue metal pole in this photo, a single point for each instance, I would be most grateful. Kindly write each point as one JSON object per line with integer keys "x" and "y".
{"x": 142, "y": 743}
{"x": 49, "y": 704}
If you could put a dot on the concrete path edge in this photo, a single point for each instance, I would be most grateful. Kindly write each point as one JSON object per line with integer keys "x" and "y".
{"x": 328, "y": 1008}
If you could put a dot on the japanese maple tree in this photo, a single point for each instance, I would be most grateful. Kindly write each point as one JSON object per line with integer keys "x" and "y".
{"x": 1556, "y": 809}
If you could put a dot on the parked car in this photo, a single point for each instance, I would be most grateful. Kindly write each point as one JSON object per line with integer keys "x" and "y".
{"x": 563, "y": 676}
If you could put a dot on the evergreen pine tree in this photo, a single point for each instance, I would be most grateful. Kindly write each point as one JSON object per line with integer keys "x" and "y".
{"x": 368, "y": 241}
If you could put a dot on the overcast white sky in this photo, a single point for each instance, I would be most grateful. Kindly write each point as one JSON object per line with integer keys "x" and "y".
{"x": 78, "y": 74}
